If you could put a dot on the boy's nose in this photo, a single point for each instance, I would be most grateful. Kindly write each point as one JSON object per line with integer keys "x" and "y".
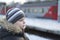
{"x": 23, "y": 22}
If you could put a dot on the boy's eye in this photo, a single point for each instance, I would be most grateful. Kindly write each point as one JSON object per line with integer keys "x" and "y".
{"x": 21, "y": 20}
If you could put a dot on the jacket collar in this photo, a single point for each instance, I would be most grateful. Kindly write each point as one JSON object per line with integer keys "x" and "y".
{"x": 9, "y": 26}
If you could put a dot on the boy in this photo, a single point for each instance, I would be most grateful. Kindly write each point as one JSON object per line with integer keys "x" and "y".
{"x": 12, "y": 27}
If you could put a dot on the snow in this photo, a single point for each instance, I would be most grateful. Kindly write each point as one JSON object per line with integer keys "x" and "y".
{"x": 43, "y": 24}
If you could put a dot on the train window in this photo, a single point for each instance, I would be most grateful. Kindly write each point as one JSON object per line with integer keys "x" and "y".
{"x": 32, "y": 10}
{"x": 28, "y": 10}
{"x": 35, "y": 11}
{"x": 24, "y": 10}
{"x": 41, "y": 10}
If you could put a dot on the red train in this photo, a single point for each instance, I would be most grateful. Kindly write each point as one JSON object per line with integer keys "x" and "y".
{"x": 44, "y": 9}
{"x": 52, "y": 12}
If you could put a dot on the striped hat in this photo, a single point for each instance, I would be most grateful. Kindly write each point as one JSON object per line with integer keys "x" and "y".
{"x": 14, "y": 14}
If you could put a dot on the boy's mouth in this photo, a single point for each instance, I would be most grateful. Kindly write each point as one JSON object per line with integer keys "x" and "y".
{"x": 24, "y": 27}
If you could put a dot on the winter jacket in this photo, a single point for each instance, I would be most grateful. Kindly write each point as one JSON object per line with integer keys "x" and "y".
{"x": 9, "y": 31}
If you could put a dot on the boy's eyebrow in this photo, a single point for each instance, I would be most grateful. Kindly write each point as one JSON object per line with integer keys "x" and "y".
{"x": 21, "y": 19}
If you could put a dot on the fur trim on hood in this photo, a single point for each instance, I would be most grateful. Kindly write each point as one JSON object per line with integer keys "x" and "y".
{"x": 9, "y": 26}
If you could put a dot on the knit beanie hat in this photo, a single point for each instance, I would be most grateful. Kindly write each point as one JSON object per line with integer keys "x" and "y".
{"x": 14, "y": 14}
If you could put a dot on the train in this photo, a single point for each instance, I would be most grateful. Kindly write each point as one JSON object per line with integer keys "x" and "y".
{"x": 41, "y": 9}
{"x": 2, "y": 8}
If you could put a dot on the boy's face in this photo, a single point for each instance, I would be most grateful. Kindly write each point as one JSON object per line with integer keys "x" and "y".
{"x": 21, "y": 23}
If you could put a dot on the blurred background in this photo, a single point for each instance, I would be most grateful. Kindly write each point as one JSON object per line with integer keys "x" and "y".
{"x": 42, "y": 17}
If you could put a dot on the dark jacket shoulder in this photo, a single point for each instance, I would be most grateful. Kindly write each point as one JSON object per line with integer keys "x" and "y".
{"x": 9, "y": 31}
